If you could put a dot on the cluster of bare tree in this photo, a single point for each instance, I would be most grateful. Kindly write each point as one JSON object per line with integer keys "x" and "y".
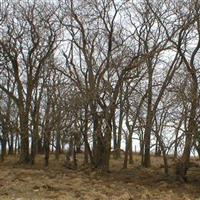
{"x": 87, "y": 75}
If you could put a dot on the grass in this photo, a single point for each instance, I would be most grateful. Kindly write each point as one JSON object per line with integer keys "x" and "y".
{"x": 36, "y": 182}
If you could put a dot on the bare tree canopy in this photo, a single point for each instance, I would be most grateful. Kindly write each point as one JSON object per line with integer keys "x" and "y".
{"x": 103, "y": 78}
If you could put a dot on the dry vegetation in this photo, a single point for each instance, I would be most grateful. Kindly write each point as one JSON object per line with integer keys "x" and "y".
{"x": 20, "y": 182}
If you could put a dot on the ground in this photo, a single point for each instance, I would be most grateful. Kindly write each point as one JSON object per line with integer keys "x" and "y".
{"x": 19, "y": 182}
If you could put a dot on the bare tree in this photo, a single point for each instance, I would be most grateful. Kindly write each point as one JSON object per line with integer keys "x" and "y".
{"x": 28, "y": 38}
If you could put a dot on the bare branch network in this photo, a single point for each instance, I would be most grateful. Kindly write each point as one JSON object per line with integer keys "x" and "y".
{"x": 100, "y": 76}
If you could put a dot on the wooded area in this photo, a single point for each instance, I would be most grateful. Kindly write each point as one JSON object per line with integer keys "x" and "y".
{"x": 98, "y": 78}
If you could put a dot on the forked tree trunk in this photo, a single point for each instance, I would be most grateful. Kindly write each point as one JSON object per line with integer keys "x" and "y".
{"x": 103, "y": 148}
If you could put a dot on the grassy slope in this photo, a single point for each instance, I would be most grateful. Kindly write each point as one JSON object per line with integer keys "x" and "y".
{"x": 56, "y": 182}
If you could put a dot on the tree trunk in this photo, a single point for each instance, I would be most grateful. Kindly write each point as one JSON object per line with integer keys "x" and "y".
{"x": 149, "y": 118}
{"x": 3, "y": 147}
{"x": 103, "y": 148}
{"x": 114, "y": 138}
{"x": 46, "y": 148}
{"x": 147, "y": 140}
{"x": 35, "y": 136}
{"x": 130, "y": 150}
{"x": 47, "y": 133}
{"x": 119, "y": 135}
{"x": 16, "y": 143}
{"x": 40, "y": 148}
{"x": 176, "y": 138}
{"x": 125, "y": 164}
{"x": 86, "y": 157}
{"x": 24, "y": 147}
{"x": 87, "y": 150}
{"x": 11, "y": 145}
{"x": 33, "y": 148}
{"x": 162, "y": 149}
{"x": 183, "y": 164}
{"x": 58, "y": 145}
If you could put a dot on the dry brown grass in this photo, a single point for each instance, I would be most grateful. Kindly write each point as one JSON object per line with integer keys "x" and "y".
{"x": 19, "y": 182}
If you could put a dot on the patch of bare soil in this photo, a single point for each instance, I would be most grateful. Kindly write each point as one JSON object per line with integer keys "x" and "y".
{"x": 36, "y": 182}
